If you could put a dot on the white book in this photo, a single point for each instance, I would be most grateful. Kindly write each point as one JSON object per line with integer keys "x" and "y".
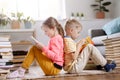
{"x": 4, "y": 70}
{"x": 5, "y": 49}
{"x": 5, "y": 43}
{"x": 5, "y": 60}
{"x": 8, "y": 66}
{"x": 6, "y": 56}
{"x": 4, "y": 38}
{"x": 6, "y": 53}
{"x": 33, "y": 40}
{"x": 5, "y": 46}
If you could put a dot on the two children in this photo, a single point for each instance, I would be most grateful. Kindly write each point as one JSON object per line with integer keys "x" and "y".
{"x": 76, "y": 60}
{"x": 49, "y": 58}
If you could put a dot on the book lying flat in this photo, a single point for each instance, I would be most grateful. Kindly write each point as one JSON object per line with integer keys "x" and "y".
{"x": 5, "y": 38}
{"x": 5, "y": 60}
{"x": 5, "y": 46}
{"x": 17, "y": 60}
{"x": 6, "y": 67}
{"x": 5, "y": 43}
{"x": 6, "y": 49}
{"x": 18, "y": 53}
{"x": 17, "y": 65}
{"x": 6, "y": 53}
{"x": 19, "y": 56}
{"x": 6, "y": 63}
{"x": 6, "y": 56}
{"x": 4, "y": 70}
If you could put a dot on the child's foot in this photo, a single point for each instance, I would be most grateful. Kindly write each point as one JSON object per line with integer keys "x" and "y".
{"x": 109, "y": 67}
{"x": 111, "y": 62}
{"x": 19, "y": 73}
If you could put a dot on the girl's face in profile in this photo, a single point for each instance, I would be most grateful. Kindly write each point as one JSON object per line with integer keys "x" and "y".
{"x": 50, "y": 32}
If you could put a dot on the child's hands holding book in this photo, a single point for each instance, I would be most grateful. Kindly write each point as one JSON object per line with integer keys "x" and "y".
{"x": 80, "y": 43}
{"x": 87, "y": 41}
{"x": 36, "y": 43}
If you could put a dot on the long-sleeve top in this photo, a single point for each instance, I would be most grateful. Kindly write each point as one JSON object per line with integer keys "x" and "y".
{"x": 54, "y": 50}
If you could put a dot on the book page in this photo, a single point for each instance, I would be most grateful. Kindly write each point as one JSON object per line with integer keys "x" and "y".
{"x": 33, "y": 40}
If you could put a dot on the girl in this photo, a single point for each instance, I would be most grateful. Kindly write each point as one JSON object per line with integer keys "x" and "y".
{"x": 49, "y": 58}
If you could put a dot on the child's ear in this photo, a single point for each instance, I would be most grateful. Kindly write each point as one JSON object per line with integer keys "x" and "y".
{"x": 71, "y": 30}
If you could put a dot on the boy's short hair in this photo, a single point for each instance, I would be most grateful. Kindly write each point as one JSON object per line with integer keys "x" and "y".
{"x": 72, "y": 24}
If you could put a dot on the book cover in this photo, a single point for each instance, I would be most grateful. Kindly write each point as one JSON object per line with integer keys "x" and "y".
{"x": 5, "y": 38}
{"x": 88, "y": 41}
{"x": 6, "y": 49}
{"x": 6, "y": 53}
{"x": 6, "y": 63}
{"x": 6, "y": 67}
{"x": 6, "y": 56}
{"x": 5, "y": 60}
{"x": 4, "y": 70}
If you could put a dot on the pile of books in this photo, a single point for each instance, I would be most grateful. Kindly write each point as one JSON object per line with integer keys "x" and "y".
{"x": 112, "y": 48}
{"x": 18, "y": 58}
{"x": 5, "y": 53}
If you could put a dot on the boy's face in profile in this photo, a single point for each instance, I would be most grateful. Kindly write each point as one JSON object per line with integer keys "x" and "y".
{"x": 75, "y": 32}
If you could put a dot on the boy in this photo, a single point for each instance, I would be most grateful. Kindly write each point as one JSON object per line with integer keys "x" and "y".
{"x": 76, "y": 60}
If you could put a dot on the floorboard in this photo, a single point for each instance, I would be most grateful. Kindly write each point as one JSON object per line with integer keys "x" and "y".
{"x": 35, "y": 73}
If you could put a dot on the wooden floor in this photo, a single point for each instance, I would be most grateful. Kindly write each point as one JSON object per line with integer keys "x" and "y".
{"x": 35, "y": 73}
{"x": 92, "y": 77}
{"x": 85, "y": 77}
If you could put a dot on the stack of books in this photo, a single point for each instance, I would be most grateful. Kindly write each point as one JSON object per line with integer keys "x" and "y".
{"x": 5, "y": 53}
{"x": 18, "y": 58}
{"x": 112, "y": 48}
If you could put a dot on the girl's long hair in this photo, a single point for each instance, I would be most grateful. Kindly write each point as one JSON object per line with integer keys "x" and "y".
{"x": 52, "y": 23}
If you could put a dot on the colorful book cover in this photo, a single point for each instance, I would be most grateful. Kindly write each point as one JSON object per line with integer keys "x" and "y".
{"x": 88, "y": 41}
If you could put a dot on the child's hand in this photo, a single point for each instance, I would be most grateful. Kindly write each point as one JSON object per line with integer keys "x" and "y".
{"x": 81, "y": 42}
{"x": 39, "y": 45}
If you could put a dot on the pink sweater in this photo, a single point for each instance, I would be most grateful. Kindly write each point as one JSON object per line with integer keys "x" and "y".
{"x": 54, "y": 50}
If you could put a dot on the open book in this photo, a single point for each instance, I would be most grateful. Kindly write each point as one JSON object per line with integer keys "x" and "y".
{"x": 33, "y": 40}
{"x": 88, "y": 41}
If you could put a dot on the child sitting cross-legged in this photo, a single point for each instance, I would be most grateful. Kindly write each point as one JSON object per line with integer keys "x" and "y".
{"x": 77, "y": 54}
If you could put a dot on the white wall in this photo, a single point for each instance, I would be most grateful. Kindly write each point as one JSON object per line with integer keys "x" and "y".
{"x": 83, "y": 6}
{"x": 117, "y": 10}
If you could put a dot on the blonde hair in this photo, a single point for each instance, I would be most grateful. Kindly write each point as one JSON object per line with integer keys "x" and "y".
{"x": 52, "y": 23}
{"x": 72, "y": 23}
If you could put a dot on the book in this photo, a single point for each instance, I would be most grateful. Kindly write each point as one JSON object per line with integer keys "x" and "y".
{"x": 18, "y": 53}
{"x": 4, "y": 70}
{"x": 6, "y": 67}
{"x": 5, "y": 60}
{"x": 88, "y": 41}
{"x": 18, "y": 56}
{"x": 6, "y": 53}
{"x": 17, "y": 60}
{"x": 6, "y": 63}
{"x": 5, "y": 43}
{"x": 4, "y": 38}
{"x": 6, "y": 49}
{"x": 33, "y": 40}
{"x": 6, "y": 57}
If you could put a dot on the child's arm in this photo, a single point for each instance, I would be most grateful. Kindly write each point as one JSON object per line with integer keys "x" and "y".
{"x": 78, "y": 47}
